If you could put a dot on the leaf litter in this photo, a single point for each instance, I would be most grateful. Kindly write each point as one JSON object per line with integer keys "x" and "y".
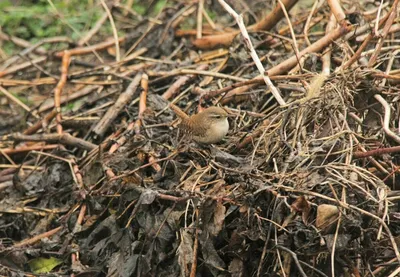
{"x": 95, "y": 174}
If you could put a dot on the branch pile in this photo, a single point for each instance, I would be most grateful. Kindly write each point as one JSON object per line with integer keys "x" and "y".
{"x": 96, "y": 180}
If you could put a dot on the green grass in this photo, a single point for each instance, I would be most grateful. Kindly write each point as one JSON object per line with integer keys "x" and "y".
{"x": 35, "y": 20}
{"x": 24, "y": 99}
{"x": 141, "y": 8}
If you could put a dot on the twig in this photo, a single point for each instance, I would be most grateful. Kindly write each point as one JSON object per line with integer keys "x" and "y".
{"x": 94, "y": 30}
{"x": 395, "y": 273}
{"x": 114, "y": 29}
{"x": 200, "y": 19}
{"x": 38, "y": 237}
{"x": 66, "y": 58}
{"x": 307, "y": 25}
{"x": 252, "y": 136}
{"x": 393, "y": 56}
{"x": 64, "y": 138}
{"x": 133, "y": 125}
{"x": 34, "y": 48}
{"x": 248, "y": 84}
{"x": 335, "y": 236}
{"x": 196, "y": 72}
{"x": 378, "y": 15}
{"x": 352, "y": 207}
{"x": 213, "y": 74}
{"x": 377, "y": 152}
{"x": 317, "y": 46}
{"x": 142, "y": 102}
{"x": 209, "y": 20}
{"x": 67, "y": 98}
{"x": 313, "y": 268}
{"x": 174, "y": 88}
{"x": 371, "y": 159}
{"x": 113, "y": 112}
{"x": 29, "y": 148}
{"x": 17, "y": 101}
{"x": 388, "y": 24}
{"x": 21, "y": 42}
{"x": 178, "y": 111}
{"x": 360, "y": 50}
{"x": 226, "y": 38}
{"x": 386, "y": 119}
{"x": 89, "y": 49}
{"x": 337, "y": 11}
{"x": 273, "y": 17}
{"x": 35, "y": 82}
{"x": 22, "y": 66}
{"x": 260, "y": 67}
{"x": 81, "y": 216}
{"x": 294, "y": 256}
{"x": 143, "y": 166}
{"x": 296, "y": 49}
{"x": 4, "y": 183}
{"x": 326, "y": 58}
{"x": 195, "y": 246}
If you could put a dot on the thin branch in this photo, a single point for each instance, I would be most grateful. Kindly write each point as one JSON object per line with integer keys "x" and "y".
{"x": 386, "y": 119}
{"x": 114, "y": 29}
{"x": 260, "y": 67}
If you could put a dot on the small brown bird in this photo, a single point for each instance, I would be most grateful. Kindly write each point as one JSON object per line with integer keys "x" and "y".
{"x": 207, "y": 127}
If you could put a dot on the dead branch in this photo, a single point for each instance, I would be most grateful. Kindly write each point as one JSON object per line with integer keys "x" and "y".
{"x": 114, "y": 111}
{"x": 64, "y": 138}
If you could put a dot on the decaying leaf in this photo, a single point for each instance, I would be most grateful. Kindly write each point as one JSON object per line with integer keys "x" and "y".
{"x": 212, "y": 216}
{"x": 236, "y": 268}
{"x": 210, "y": 255}
{"x": 302, "y": 206}
{"x": 326, "y": 215}
{"x": 185, "y": 252}
{"x": 95, "y": 173}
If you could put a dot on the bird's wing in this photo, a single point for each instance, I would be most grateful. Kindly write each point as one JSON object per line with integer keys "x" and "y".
{"x": 187, "y": 127}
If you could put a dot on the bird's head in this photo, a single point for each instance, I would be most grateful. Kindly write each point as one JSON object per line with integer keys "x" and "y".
{"x": 215, "y": 115}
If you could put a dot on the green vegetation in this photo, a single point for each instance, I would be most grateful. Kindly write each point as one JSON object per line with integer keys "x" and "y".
{"x": 159, "y": 6}
{"x": 44, "y": 265}
{"x": 141, "y": 7}
{"x": 35, "y": 20}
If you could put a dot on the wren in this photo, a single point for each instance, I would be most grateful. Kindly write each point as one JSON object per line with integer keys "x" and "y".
{"x": 207, "y": 127}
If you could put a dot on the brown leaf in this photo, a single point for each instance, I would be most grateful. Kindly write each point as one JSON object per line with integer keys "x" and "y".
{"x": 326, "y": 215}
{"x": 185, "y": 252}
{"x": 302, "y": 206}
{"x": 236, "y": 268}
{"x": 213, "y": 216}
{"x": 219, "y": 217}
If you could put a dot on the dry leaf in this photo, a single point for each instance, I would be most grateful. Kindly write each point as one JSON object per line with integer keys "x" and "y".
{"x": 302, "y": 206}
{"x": 326, "y": 215}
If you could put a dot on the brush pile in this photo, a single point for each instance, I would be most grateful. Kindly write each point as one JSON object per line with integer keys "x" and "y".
{"x": 95, "y": 179}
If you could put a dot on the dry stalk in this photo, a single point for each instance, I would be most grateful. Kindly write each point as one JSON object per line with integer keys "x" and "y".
{"x": 114, "y": 29}
{"x": 246, "y": 38}
{"x": 386, "y": 119}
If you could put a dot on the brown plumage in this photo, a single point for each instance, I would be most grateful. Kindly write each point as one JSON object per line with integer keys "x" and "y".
{"x": 207, "y": 127}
